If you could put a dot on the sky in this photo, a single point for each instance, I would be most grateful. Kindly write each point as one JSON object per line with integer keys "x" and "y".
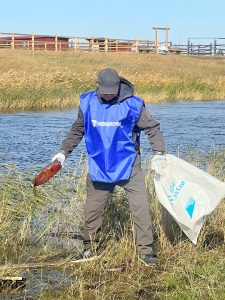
{"x": 125, "y": 19}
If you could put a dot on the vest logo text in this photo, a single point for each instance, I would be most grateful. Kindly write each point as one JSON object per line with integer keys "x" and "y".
{"x": 96, "y": 123}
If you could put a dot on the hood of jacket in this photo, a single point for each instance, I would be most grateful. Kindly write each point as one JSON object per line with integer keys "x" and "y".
{"x": 126, "y": 90}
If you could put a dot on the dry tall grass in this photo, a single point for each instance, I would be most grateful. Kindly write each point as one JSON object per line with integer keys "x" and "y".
{"x": 37, "y": 80}
{"x": 185, "y": 271}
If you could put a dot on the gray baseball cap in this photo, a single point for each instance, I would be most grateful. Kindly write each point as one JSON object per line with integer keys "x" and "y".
{"x": 108, "y": 81}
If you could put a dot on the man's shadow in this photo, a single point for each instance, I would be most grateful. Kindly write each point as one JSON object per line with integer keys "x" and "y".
{"x": 171, "y": 229}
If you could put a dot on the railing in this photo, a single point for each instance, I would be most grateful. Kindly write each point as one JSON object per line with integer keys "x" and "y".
{"x": 73, "y": 43}
{"x": 105, "y": 44}
{"x": 212, "y": 49}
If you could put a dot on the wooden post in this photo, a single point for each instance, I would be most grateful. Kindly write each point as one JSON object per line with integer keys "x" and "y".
{"x": 109, "y": 46}
{"x": 214, "y": 47}
{"x": 116, "y": 46}
{"x": 167, "y": 37}
{"x": 32, "y": 42}
{"x": 45, "y": 47}
{"x": 147, "y": 46}
{"x": 188, "y": 46}
{"x": 56, "y": 43}
{"x": 156, "y": 38}
{"x": 75, "y": 43}
{"x": 136, "y": 45}
{"x": 211, "y": 49}
{"x": 92, "y": 44}
{"x": 13, "y": 41}
{"x": 106, "y": 44}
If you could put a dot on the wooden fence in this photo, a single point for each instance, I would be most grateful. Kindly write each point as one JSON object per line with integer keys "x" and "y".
{"x": 73, "y": 43}
{"x": 217, "y": 47}
{"x": 105, "y": 44}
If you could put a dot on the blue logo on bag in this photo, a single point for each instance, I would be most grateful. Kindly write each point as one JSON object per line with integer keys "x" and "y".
{"x": 175, "y": 190}
{"x": 190, "y": 206}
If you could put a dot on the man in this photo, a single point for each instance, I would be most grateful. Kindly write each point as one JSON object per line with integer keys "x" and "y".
{"x": 111, "y": 119}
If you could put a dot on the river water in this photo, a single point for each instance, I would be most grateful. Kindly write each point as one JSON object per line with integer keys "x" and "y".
{"x": 28, "y": 140}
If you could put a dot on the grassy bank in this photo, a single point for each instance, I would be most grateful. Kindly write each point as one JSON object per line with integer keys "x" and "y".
{"x": 185, "y": 271}
{"x": 37, "y": 80}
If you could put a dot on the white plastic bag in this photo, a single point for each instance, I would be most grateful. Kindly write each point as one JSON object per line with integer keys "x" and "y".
{"x": 188, "y": 193}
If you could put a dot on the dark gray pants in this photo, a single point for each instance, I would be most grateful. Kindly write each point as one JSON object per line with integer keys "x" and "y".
{"x": 97, "y": 195}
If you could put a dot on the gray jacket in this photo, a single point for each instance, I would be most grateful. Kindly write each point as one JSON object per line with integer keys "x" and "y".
{"x": 146, "y": 123}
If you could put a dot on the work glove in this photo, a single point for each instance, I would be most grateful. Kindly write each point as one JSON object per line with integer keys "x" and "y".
{"x": 60, "y": 157}
{"x": 158, "y": 164}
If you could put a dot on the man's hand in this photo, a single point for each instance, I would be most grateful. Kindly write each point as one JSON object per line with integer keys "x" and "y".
{"x": 60, "y": 157}
{"x": 159, "y": 163}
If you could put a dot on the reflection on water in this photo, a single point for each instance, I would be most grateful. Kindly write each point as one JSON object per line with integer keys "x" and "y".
{"x": 30, "y": 139}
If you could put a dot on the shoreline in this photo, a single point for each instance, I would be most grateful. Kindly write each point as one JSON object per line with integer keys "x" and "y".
{"x": 46, "y": 108}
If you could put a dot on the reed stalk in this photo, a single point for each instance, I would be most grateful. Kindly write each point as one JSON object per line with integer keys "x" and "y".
{"x": 27, "y": 220}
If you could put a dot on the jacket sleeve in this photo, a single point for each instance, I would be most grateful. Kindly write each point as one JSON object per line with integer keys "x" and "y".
{"x": 152, "y": 129}
{"x": 74, "y": 136}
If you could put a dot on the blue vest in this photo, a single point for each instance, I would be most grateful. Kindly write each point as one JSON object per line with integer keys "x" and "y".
{"x": 108, "y": 136}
